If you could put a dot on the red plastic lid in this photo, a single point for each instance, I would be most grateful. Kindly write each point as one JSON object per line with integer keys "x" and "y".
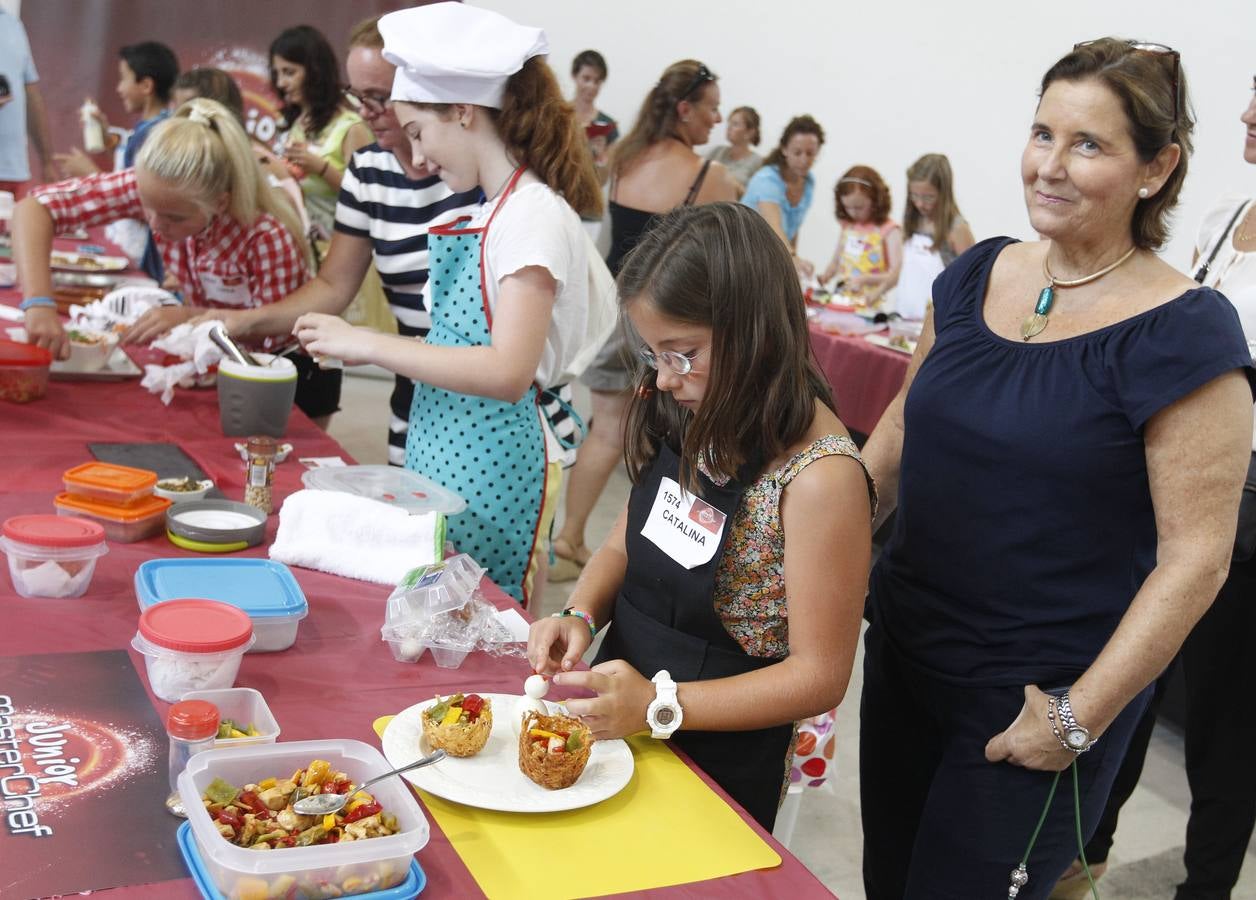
{"x": 196, "y": 626}
{"x": 14, "y": 354}
{"x": 192, "y": 720}
{"x": 54, "y": 531}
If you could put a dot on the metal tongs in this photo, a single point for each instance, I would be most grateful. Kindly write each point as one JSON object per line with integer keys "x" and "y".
{"x": 218, "y": 334}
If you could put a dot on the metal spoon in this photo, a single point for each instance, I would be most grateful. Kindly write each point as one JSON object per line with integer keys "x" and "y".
{"x": 322, "y": 804}
{"x": 227, "y": 345}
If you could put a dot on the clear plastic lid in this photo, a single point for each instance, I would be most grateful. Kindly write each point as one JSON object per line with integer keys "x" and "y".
{"x": 411, "y": 491}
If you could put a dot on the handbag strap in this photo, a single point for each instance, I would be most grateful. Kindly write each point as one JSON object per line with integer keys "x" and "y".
{"x": 1203, "y": 270}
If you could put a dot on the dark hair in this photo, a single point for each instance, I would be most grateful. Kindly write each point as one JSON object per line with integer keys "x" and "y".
{"x": 797, "y": 125}
{"x": 657, "y": 117}
{"x": 593, "y": 60}
{"x": 868, "y": 180}
{"x": 321, "y": 90}
{"x": 214, "y": 84}
{"x": 154, "y": 61}
{"x": 751, "y": 115}
{"x": 719, "y": 265}
{"x": 539, "y": 128}
{"x": 1143, "y": 80}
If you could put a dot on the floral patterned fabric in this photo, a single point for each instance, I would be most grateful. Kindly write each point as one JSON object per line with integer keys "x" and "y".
{"x": 750, "y": 583}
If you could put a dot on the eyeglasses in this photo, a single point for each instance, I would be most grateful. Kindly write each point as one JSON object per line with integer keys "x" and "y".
{"x": 1152, "y": 47}
{"x": 372, "y": 104}
{"x": 677, "y": 362}
{"x": 701, "y": 77}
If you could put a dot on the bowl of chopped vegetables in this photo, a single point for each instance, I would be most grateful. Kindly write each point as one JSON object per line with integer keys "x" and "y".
{"x": 241, "y": 799}
{"x": 89, "y": 350}
{"x": 181, "y": 490}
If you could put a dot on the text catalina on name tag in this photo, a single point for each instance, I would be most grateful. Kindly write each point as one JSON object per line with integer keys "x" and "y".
{"x": 686, "y": 528}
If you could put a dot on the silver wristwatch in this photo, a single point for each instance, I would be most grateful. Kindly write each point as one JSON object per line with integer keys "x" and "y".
{"x": 664, "y": 714}
{"x": 1074, "y": 737}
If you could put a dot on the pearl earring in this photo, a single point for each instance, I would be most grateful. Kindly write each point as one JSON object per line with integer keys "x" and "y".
{"x": 1143, "y": 193}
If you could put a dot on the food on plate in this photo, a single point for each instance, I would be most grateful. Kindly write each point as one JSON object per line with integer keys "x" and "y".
{"x": 902, "y": 342}
{"x": 86, "y": 338}
{"x": 553, "y": 750}
{"x": 228, "y": 728}
{"x": 260, "y": 816}
{"x": 180, "y": 485}
{"x": 459, "y": 724}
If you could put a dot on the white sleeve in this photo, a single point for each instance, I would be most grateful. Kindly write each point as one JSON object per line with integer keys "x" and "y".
{"x": 532, "y": 229}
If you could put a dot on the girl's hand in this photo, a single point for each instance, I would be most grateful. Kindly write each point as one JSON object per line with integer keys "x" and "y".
{"x": 827, "y": 276}
{"x": 324, "y": 335}
{"x": 43, "y": 329}
{"x": 806, "y": 268}
{"x": 623, "y": 695}
{"x": 235, "y": 321}
{"x": 1029, "y": 741}
{"x": 855, "y": 281}
{"x": 75, "y": 164}
{"x": 156, "y": 322}
{"x": 557, "y": 643}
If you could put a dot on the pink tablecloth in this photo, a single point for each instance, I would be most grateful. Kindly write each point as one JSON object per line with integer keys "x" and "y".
{"x": 339, "y": 671}
{"x": 864, "y": 377}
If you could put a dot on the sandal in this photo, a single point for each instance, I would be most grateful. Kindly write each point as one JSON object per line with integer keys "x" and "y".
{"x": 1073, "y": 884}
{"x": 567, "y": 563}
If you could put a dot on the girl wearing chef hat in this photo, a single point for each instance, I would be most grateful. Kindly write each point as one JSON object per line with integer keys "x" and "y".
{"x": 509, "y": 290}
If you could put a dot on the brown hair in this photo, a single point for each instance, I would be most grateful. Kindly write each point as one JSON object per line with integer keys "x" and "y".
{"x": 592, "y": 59}
{"x": 719, "y": 265}
{"x": 366, "y": 34}
{"x": 751, "y": 115}
{"x": 935, "y": 169}
{"x": 797, "y": 125}
{"x": 213, "y": 84}
{"x": 539, "y": 130}
{"x": 657, "y": 118}
{"x": 1143, "y": 80}
{"x": 867, "y": 180}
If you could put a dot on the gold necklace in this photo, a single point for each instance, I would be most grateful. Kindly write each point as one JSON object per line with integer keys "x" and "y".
{"x": 1243, "y": 235}
{"x": 1037, "y": 320}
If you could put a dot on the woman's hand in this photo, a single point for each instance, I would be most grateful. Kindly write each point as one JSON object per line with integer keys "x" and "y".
{"x": 43, "y": 329}
{"x": 623, "y": 696}
{"x": 556, "y": 643}
{"x": 332, "y": 336}
{"x": 156, "y": 322}
{"x": 299, "y": 153}
{"x": 1029, "y": 740}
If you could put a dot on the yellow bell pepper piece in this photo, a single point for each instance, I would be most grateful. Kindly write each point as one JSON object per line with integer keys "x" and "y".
{"x": 329, "y": 821}
{"x": 454, "y": 714}
{"x": 267, "y": 784}
{"x": 361, "y": 798}
{"x": 249, "y": 889}
{"x": 237, "y": 733}
{"x": 317, "y": 772}
{"x": 539, "y": 732}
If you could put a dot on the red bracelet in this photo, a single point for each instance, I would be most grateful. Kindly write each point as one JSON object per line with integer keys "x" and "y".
{"x": 576, "y": 613}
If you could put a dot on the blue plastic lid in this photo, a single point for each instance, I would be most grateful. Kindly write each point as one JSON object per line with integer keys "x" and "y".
{"x": 260, "y": 587}
{"x": 413, "y": 885}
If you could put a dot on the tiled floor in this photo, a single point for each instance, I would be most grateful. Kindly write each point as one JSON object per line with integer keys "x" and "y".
{"x": 1145, "y": 865}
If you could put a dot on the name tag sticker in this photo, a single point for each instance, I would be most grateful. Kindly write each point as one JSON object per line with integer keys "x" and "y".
{"x": 686, "y": 528}
{"x": 229, "y": 289}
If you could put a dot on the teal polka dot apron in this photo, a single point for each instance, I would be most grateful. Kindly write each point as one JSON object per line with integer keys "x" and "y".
{"x": 490, "y": 452}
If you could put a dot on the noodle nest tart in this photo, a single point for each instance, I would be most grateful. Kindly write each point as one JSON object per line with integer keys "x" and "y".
{"x": 553, "y": 750}
{"x": 459, "y": 724}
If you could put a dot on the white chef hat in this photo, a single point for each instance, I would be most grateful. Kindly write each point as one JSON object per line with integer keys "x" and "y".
{"x": 454, "y": 53}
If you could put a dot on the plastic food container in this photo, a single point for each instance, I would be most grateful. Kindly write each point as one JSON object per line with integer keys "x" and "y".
{"x": 23, "y": 371}
{"x": 425, "y": 592}
{"x": 123, "y": 524}
{"x": 192, "y": 645}
{"x": 244, "y": 706}
{"x": 449, "y": 654}
{"x": 411, "y": 491}
{"x": 89, "y": 350}
{"x": 215, "y": 526}
{"x": 326, "y": 870}
{"x": 263, "y": 589}
{"x": 52, "y": 556}
{"x": 119, "y": 485}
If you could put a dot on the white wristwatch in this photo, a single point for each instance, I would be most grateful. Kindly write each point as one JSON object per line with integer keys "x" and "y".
{"x": 664, "y": 714}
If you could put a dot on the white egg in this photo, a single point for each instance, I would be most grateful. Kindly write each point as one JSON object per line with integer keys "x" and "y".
{"x": 536, "y": 686}
{"x": 411, "y": 649}
{"x": 527, "y": 705}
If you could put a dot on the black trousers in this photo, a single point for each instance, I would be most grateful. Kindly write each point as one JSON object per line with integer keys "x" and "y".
{"x": 1219, "y": 670}
{"x": 941, "y": 822}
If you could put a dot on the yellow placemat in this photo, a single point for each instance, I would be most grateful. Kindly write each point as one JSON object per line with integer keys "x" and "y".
{"x": 665, "y": 828}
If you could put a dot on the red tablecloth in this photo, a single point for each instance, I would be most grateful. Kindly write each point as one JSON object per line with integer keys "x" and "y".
{"x": 338, "y": 672}
{"x": 865, "y": 378}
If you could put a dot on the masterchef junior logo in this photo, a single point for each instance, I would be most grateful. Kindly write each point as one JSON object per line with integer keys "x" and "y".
{"x": 46, "y": 760}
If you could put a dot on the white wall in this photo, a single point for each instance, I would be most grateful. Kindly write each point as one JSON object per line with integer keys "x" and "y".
{"x": 894, "y": 81}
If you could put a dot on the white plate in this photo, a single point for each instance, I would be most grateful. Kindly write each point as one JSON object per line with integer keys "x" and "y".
{"x": 86, "y": 262}
{"x": 119, "y": 367}
{"x": 492, "y": 779}
{"x": 882, "y": 340}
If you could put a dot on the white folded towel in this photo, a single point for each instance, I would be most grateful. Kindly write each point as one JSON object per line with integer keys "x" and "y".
{"x": 356, "y": 537}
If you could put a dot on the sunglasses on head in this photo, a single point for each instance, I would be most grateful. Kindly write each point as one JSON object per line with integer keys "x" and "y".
{"x": 1152, "y": 47}
{"x": 701, "y": 77}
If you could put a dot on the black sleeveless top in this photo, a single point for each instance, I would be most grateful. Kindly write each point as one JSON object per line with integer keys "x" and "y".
{"x": 628, "y": 225}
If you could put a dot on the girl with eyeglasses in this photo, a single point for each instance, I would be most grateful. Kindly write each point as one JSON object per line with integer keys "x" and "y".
{"x": 935, "y": 233}
{"x": 321, "y": 132}
{"x": 734, "y": 579}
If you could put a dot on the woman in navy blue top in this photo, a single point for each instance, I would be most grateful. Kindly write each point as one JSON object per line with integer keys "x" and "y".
{"x": 1067, "y": 455}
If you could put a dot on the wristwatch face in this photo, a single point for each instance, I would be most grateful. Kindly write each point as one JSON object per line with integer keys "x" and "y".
{"x": 664, "y": 716}
{"x": 1077, "y": 737}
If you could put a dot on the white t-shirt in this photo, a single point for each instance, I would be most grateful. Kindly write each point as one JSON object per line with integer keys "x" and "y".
{"x": 1233, "y": 272}
{"x": 536, "y": 227}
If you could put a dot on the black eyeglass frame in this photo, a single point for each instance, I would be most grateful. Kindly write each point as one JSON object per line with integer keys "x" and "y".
{"x": 1153, "y": 47}
{"x": 374, "y": 105}
{"x": 701, "y": 77}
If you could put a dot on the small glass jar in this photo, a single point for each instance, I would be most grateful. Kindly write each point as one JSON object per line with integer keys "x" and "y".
{"x": 259, "y": 472}
{"x": 192, "y": 726}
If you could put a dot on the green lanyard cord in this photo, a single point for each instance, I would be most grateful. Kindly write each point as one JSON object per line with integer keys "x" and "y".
{"x": 1020, "y": 875}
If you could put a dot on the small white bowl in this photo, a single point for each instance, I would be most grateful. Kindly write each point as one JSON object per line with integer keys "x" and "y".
{"x": 89, "y": 357}
{"x": 203, "y": 487}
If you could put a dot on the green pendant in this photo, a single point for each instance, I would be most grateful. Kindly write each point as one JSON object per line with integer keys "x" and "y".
{"x": 1035, "y": 323}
